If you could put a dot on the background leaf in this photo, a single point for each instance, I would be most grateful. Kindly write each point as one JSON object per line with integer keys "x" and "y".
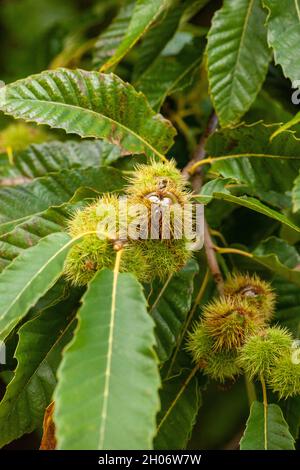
{"x": 280, "y": 258}
{"x": 117, "y": 362}
{"x": 30, "y": 232}
{"x": 109, "y": 40}
{"x": 288, "y": 305}
{"x": 250, "y": 203}
{"x": 296, "y": 194}
{"x": 171, "y": 306}
{"x": 291, "y": 410}
{"x": 173, "y": 70}
{"x": 284, "y": 34}
{"x": 179, "y": 409}
{"x": 42, "y": 159}
{"x": 158, "y": 36}
{"x": 264, "y": 176}
{"x": 29, "y": 392}
{"x": 144, "y": 14}
{"x": 238, "y": 57}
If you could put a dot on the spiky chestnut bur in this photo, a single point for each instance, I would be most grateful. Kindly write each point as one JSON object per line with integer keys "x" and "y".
{"x": 261, "y": 351}
{"x": 18, "y": 136}
{"x": 284, "y": 377}
{"x": 229, "y": 321}
{"x": 164, "y": 257}
{"x": 158, "y": 178}
{"x": 219, "y": 365}
{"x": 109, "y": 208}
{"x": 222, "y": 366}
{"x": 199, "y": 344}
{"x": 93, "y": 252}
{"x": 161, "y": 189}
{"x": 257, "y": 292}
{"x": 146, "y": 259}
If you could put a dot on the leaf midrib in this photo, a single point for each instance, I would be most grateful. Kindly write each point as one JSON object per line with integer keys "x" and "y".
{"x": 237, "y": 64}
{"x": 107, "y": 374}
{"x": 97, "y": 114}
{"x": 297, "y": 9}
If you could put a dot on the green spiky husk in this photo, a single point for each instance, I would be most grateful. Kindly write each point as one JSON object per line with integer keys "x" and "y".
{"x": 219, "y": 365}
{"x": 230, "y": 321}
{"x": 222, "y": 366}
{"x": 284, "y": 377}
{"x": 162, "y": 178}
{"x": 165, "y": 257}
{"x": 199, "y": 343}
{"x": 261, "y": 351}
{"x": 87, "y": 219}
{"x": 92, "y": 254}
{"x": 255, "y": 291}
{"x": 146, "y": 259}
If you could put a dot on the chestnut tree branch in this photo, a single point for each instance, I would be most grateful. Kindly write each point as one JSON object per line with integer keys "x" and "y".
{"x": 196, "y": 181}
{"x": 212, "y": 259}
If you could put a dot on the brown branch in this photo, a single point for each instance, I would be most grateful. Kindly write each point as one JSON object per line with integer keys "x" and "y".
{"x": 196, "y": 181}
{"x": 199, "y": 154}
{"x": 212, "y": 259}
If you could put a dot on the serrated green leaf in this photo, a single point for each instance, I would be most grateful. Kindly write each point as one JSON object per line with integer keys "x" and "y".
{"x": 238, "y": 57}
{"x": 279, "y": 257}
{"x": 29, "y": 277}
{"x": 29, "y": 233}
{"x": 170, "y": 305}
{"x": 158, "y": 36}
{"x": 41, "y": 159}
{"x": 283, "y": 23}
{"x": 144, "y": 14}
{"x": 278, "y": 435}
{"x": 112, "y": 353}
{"x": 217, "y": 185}
{"x": 172, "y": 70}
{"x": 250, "y": 203}
{"x": 286, "y": 254}
{"x": 180, "y": 404}
{"x": 20, "y": 203}
{"x": 268, "y": 106}
{"x": 265, "y": 161}
{"x": 255, "y": 205}
{"x": 41, "y": 341}
{"x": 108, "y": 41}
{"x": 89, "y": 104}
